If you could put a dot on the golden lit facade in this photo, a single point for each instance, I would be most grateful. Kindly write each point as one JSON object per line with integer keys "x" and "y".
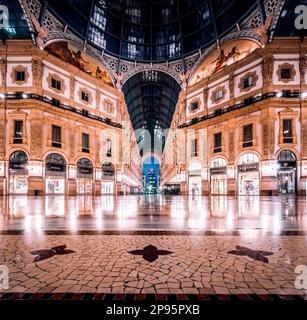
{"x": 240, "y": 128}
{"x": 64, "y": 127}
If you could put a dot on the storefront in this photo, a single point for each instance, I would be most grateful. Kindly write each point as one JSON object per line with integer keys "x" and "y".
{"x": 108, "y": 178}
{"x": 287, "y": 172}
{"x": 248, "y": 175}
{"x": 18, "y": 173}
{"x": 218, "y": 177}
{"x": 84, "y": 176}
{"x": 55, "y": 174}
{"x": 195, "y": 179}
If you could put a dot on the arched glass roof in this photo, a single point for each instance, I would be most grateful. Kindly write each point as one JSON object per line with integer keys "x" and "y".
{"x": 151, "y": 30}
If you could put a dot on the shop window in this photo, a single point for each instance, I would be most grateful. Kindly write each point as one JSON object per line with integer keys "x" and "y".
{"x": 194, "y": 148}
{"x": 85, "y": 142}
{"x": 56, "y": 137}
{"x": 247, "y": 136}
{"x": 109, "y": 148}
{"x": 217, "y": 142}
{"x": 20, "y": 76}
{"x": 56, "y": 84}
{"x": 85, "y": 96}
{"x": 287, "y": 131}
{"x": 18, "y": 131}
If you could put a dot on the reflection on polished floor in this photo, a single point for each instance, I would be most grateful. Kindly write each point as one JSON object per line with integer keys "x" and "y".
{"x": 269, "y": 214}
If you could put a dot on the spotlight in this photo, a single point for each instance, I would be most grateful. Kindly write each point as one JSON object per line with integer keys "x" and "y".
{"x": 2, "y": 96}
{"x": 304, "y": 95}
{"x": 24, "y": 96}
{"x": 279, "y": 94}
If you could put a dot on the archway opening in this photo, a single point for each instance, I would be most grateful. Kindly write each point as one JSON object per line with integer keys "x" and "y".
{"x": 84, "y": 176}
{"x": 218, "y": 176}
{"x": 151, "y": 175}
{"x": 287, "y": 172}
{"x": 248, "y": 175}
{"x": 55, "y": 171}
{"x": 107, "y": 178}
{"x": 195, "y": 178}
{"x": 18, "y": 173}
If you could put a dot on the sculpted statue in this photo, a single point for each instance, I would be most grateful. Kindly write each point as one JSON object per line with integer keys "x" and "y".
{"x": 263, "y": 29}
{"x": 42, "y": 34}
{"x": 223, "y": 59}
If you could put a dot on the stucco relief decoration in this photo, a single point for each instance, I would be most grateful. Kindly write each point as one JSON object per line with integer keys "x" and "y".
{"x": 254, "y": 77}
{"x": 263, "y": 30}
{"x": 73, "y": 55}
{"x": 16, "y": 69}
{"x": 214, "y": 93}
{"x": 36, "y": 140}
{"x": 286, "y": 66}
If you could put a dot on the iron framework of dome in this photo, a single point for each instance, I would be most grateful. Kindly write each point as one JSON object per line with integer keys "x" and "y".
{"x": 151, "y": 30}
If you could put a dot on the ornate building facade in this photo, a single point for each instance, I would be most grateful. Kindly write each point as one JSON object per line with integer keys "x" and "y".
{"x": 64, "y": 127}
{"x": 240, "y": 128}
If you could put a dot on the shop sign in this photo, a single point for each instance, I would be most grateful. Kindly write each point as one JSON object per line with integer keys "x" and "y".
{"x": 218, "y": 170}
{"x": 248, "y": 167}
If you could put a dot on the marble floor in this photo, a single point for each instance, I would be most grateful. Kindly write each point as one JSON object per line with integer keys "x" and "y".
{"x": 160, "y": 245}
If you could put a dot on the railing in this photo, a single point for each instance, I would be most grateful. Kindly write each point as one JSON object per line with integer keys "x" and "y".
{"x": 58, "y": 104}
{"x": 247, "y": 102}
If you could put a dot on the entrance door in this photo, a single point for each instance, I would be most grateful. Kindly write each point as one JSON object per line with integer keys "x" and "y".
{"x": 287, "y": 174}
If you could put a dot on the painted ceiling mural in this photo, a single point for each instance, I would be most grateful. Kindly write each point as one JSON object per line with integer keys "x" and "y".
{"x": 227, "y": 54}
{"x": 73, "y": 55}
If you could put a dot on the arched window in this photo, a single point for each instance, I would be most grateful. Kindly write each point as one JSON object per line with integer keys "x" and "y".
{"x": 218, "y": 163}
{"x": 108, "y": 170}
{"x": 18, "y": 160}
{"x": 85, "y": 166}
{"x": 248, "y": 158}
{"x": 286, "y": 156}
{"x": 55, "y": 163}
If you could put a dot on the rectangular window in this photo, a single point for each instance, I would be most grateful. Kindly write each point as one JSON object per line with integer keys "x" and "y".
{"x": 194, "y": 148}
{"x": 217, "y": 142}
{"x": 20, "y": 76}
{"x": 287, "y": 131}
{"x": 56, "y": 84}
{"x": 194, "y": 106}
{"x": 248, "y": 82}
{"x": 219, "y": 95}
{"x": 18, "y": 131}
{"x": 56, "y": 137}
{"x": 84, "y": 96}
{"x": 285, "y": 73}
{"x": 85, "y": 142}
{"x": 109, "y": 148}
{"x": 248, "y": 136}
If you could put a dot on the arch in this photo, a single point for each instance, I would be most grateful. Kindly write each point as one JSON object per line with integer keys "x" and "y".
{"x": 286, "y": 155}
{"x": 148, "y": 155}
{"x": 61, "y": 153}
{"x": 55, "y": 162}
{"x": 218, "y": 162}
{"x": 20, "y": 152}
{"x": 240, "y": 155}
{"x": 85, "y": 166}
{"x": 12, "y": 150}
{"x": 107, "y": 169}
{"x": 85, "y": 158}
{"x": 291, "y": 149}
{"x": 160, "y": 68}
{"x": 195, "y": 165}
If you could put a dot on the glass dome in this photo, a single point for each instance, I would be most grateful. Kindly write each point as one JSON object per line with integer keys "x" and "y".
{"x": 151, "y": 30}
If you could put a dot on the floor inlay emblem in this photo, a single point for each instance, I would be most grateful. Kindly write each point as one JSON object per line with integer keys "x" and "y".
{"x": 150, "y": 253}
{"x": 253, "y": 254}
{"x": 49, "y": 253}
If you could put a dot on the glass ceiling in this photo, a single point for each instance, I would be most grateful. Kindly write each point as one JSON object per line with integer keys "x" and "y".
{"x": 151, "y": 30}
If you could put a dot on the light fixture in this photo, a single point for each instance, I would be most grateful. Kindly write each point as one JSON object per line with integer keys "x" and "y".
{"x": 304, "y": 95}
{"x": 2, "y": 96}
{"x": 279, "y": 94}
{"x": 24, "y": 96}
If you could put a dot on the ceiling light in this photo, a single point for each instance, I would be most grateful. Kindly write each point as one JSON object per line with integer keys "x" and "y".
{"x": 304, "y": 95}
{"x": 279, "y": 94}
